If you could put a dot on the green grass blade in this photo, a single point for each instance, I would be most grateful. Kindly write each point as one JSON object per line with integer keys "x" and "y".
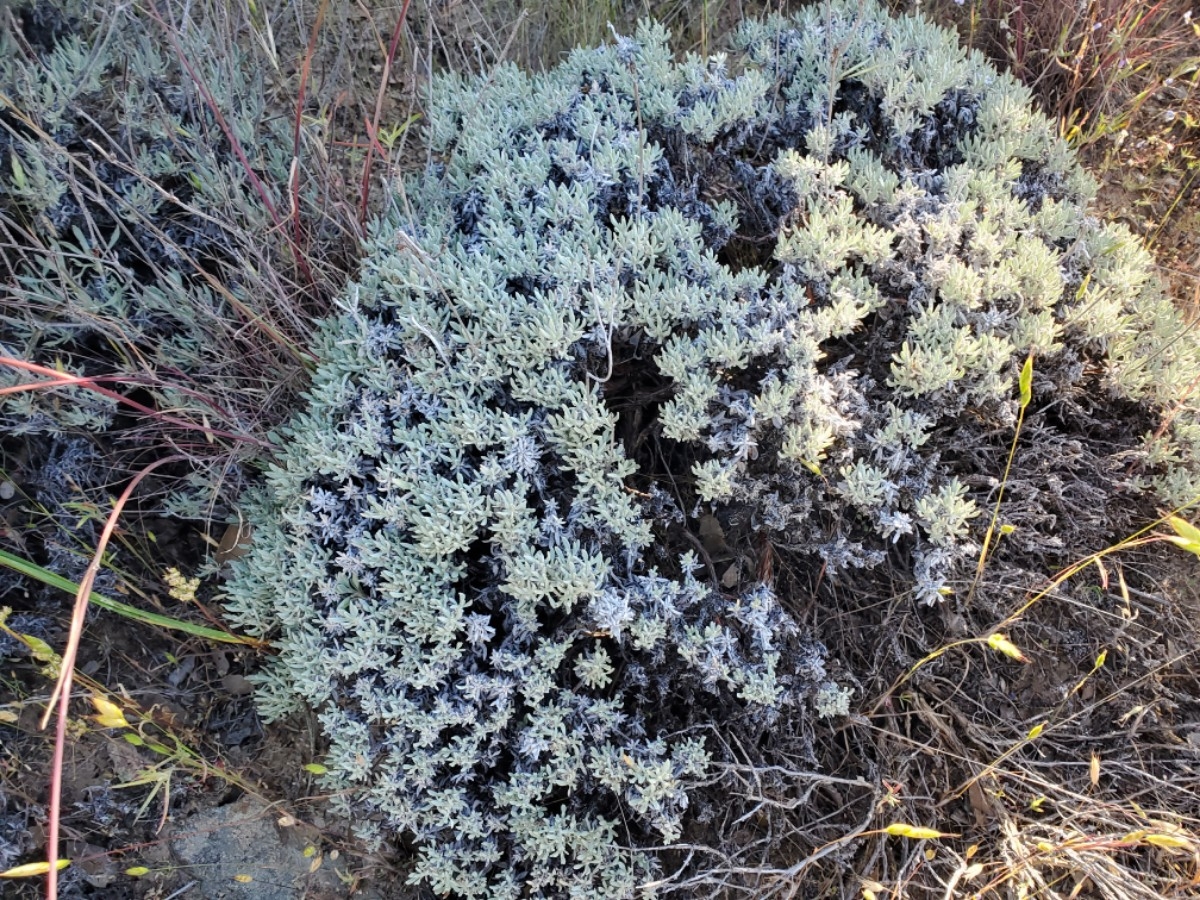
{"x": 25, "y": 567}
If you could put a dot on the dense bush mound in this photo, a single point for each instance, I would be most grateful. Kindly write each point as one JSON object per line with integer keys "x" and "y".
{"x": 652, "y": 345}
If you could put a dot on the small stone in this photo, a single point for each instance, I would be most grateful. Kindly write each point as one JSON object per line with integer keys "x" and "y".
{"x": 237, "y": 685}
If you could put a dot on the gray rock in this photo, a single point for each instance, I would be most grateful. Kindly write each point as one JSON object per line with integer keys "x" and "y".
{"x": 239, "y": 851}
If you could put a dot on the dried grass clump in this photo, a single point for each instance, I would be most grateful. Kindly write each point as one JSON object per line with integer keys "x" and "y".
{"x": 169, "y": 237}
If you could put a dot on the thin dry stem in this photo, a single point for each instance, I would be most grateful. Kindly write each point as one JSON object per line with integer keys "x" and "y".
{"x": 60, "y": 697}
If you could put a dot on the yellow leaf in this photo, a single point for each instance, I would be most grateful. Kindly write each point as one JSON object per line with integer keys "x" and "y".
{"x": 1187, "y": 535}
{"x": 930, "y": 855}
{"x": 43, "y": 653}
{"x": 971, "y": 851}
{"x": 309, "y": 851}
{"x": 1026, "y": 381}
{"x": 136, "y": 871}
{"x": 32, "y": 870}
{"x": 1036, "y": 803}
{"x": 914, "y": 832}
{"x": 243, "y": 879}
{"x": 1001, "y": 644}
{"x": 1184, "y": 544}
{"x": 1007, "y": 529}
{"x": 1168, "y": 841}
{"x": 1101, "y": 658}
{"x": 316, "y": 769}
{"x": 1184, "y": 528}
{"x": 109, "y": 714}
{"x": 1036, "y": 731}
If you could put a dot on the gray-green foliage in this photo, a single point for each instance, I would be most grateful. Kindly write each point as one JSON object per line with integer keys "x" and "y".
{"x": 571, "y": 344}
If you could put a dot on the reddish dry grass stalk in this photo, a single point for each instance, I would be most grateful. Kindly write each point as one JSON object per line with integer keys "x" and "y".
{"x": 393, "y": 45}
{"x": 294, "y": 176}
{"x": 66, "y": 379}
{"x": 234, "y": 144}
{"x": 1105, "y": 53}
{"x": 61, "y": 696}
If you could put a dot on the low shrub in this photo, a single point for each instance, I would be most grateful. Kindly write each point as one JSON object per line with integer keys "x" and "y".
{"x": 653, "y": 349}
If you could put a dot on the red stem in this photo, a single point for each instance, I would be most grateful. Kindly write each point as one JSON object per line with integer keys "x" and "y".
{"x": 234, "y": 143}
{"x": 66, "y": 379}
{"x": 383, "y": 82}
{"x": 62, "y": 690}
{"x": 294, "y": 175}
